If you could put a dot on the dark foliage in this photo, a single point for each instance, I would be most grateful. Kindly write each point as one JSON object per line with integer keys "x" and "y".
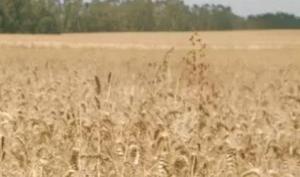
{"x": 57, "y": 16}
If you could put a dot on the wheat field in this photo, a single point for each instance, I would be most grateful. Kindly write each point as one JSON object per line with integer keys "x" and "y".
{"x": 206, "y": 104}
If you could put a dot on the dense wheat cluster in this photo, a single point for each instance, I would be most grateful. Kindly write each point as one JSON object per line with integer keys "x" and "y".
{"x": 161, "y": 118}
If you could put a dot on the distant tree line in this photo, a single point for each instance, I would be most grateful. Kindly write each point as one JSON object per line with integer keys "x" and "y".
{"x": 59, "y": 16}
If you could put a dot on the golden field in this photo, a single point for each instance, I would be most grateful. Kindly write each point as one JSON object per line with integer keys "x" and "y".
{"x": 211, "y": 104}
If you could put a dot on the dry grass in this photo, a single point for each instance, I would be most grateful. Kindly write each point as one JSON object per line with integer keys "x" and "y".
{"x": 94, "y": 111}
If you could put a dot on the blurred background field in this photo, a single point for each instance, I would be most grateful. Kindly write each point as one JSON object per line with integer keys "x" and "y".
{"x": 255, "y": 46}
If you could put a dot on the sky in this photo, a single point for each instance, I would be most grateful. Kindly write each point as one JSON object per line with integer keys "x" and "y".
{"x": 247, "y": 7}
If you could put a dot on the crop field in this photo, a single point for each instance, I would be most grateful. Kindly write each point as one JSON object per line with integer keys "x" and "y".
{"x": 184, "y": 104}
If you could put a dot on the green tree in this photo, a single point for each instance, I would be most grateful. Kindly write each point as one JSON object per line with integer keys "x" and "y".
{"x": 73, "y": 12}
{"x": 172, "y": 15}
{"x": 139, "y": 15}
{"x": 13, "y": 14}
{"x": 47, "y": 15}
{"x": 55, "y": 16}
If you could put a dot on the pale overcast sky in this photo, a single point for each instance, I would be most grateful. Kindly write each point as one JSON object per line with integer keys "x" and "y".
{"x": 246, "y": 7}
